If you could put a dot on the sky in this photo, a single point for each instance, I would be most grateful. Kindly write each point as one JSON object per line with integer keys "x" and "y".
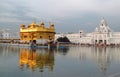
{"x": 67, "y": 15}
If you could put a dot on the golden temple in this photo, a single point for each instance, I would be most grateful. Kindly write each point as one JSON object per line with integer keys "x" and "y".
{"x": 40, "y": 33}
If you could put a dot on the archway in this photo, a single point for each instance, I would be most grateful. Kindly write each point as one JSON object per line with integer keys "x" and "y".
{"x": 105, "y": 42}
{"x": 100, "y": 41}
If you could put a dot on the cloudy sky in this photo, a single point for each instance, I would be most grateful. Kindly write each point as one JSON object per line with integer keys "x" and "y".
{"x": 68, "y": 15}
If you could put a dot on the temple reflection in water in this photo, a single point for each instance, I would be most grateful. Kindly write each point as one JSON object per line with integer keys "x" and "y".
{"x": 33, "y": 59}
{"x": 72, "y": 62}
{"x": 103, "y": 56}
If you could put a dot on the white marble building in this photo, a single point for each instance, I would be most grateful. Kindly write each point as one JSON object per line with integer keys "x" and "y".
{"x": 6, "y": 35}
{"x": 102, "y": 35}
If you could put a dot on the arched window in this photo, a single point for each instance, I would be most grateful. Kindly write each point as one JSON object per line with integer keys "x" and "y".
{"x": 102, "y": 24}
{"x": 40, "y": 37}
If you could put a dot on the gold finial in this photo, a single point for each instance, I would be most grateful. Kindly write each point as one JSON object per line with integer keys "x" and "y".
{"x": 51, "y": 25}
{"x": 22, "y": 26}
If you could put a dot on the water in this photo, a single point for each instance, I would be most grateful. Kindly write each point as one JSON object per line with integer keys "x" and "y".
{"x": 70, "y": 62}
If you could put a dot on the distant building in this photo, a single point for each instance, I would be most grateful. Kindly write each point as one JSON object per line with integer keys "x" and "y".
{"x": 102, "y": 35}
{"x": 37, "y": 32}
{"x": 8, "y": 34}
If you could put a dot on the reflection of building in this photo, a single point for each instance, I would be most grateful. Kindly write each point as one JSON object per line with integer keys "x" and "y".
{"x": 34, "y": 60}
{"x": 37, "y": 32}
{"x": 103, "y": 58}
{"x": 102, "y": 35}
{"x": 100, "y": 56}
{"x": 28, "y": 57}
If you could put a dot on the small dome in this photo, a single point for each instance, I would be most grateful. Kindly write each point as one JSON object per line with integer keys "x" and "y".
{"x": 81, "y": 31}
{"x": 42, "y": 23}
{"x": 52, "y": 24}
{"x": 34, "y": 23}
{"x": 96, "y": 29}
{"x": 22, "y": 25}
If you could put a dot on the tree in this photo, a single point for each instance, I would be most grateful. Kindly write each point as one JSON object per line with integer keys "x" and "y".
{"x": 63, "y": 39}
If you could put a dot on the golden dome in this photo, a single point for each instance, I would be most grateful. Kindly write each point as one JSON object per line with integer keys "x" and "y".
{"x": 42, "y": 23}
{"x": 34, "y": 23}
{"x": 52, "y": 24}
{"x": 22, "y": 25}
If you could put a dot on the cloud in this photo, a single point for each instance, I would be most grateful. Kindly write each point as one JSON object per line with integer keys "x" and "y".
{"x": 9, "y": 20}
{"x": 58, "y": 8}
{"x": 12, "y": 11}
{"x": 64, "y": 13}
{"x": 62, "y": 8}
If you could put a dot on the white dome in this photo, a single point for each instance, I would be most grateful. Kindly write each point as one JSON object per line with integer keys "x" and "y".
{"x": 96, "y": 29}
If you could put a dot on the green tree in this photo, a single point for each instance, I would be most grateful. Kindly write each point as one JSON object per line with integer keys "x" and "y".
{"x": 63, "y": 39}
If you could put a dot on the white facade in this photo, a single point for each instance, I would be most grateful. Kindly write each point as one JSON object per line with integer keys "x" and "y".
{"x": 102, "y": 35}
{"x": 6, "y": 35}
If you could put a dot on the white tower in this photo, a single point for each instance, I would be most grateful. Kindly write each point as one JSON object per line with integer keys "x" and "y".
{"x": 103, "y": 26}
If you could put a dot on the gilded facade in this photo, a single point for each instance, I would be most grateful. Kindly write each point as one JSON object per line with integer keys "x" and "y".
{"x": 40, "y": 33}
